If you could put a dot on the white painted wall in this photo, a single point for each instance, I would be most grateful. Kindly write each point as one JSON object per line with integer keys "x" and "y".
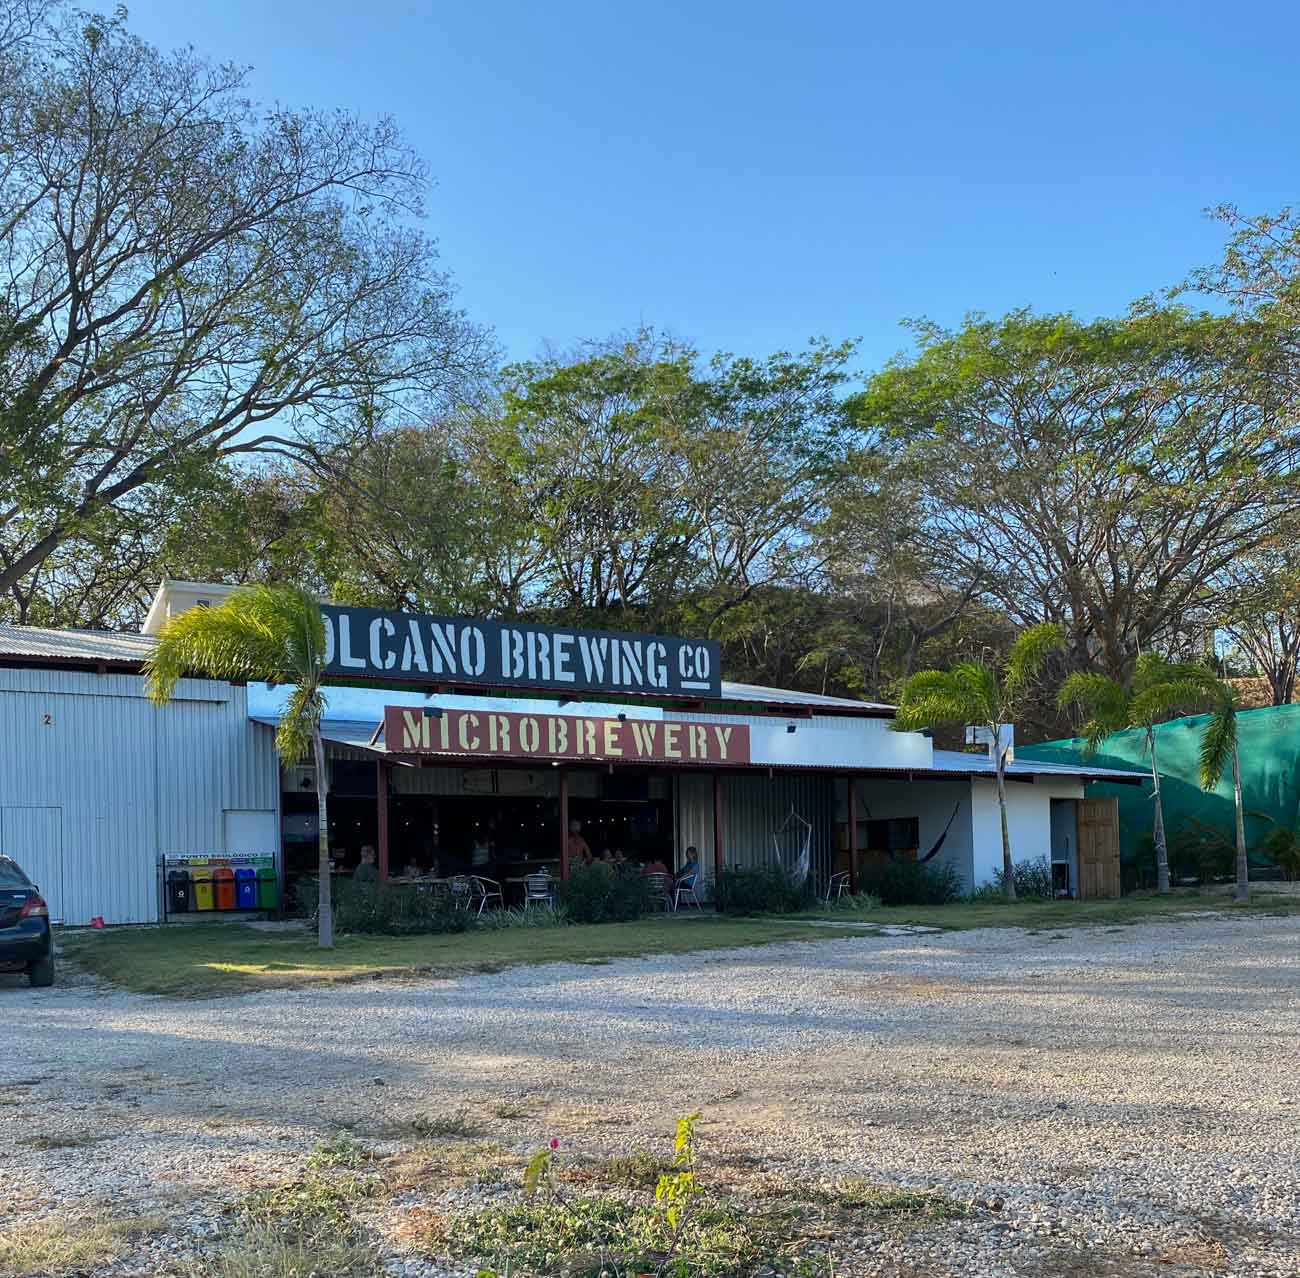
{"x": 1029, "y": 820}
{"x": 932, "y": 803}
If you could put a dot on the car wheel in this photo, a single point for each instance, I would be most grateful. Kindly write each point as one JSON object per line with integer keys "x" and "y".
{"x": 41, "y": 972}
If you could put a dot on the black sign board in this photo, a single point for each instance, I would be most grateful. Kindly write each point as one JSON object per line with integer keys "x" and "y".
{"x": 370, "y": 643}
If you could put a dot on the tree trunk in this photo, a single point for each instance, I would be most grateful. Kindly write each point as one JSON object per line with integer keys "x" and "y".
{"x": 1162, "y": 848}
{"x": 1008, "y": 867}
{"x": 325, "y": 911}
{"x": 1242, "y": 892}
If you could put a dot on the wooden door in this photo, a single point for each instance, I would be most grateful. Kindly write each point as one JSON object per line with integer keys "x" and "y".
{"x": 1098, "y": 844}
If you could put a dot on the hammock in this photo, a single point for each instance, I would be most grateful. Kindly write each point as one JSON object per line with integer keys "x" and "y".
{"x": 934, "y": 850}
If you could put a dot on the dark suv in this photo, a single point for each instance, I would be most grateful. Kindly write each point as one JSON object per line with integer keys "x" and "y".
{"x": 26, "y": 944}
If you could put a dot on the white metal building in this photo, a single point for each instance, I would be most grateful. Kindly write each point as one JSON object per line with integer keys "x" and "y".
{"x": 97, "y": 784}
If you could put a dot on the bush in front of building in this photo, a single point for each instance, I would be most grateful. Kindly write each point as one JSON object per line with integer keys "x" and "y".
{"x": 1033, "y": 880}
{"x": 912, "y": 883}
{"x": 375, "y": 909}
{"x": 769, "y": 889}
{"x": 598, "y": 894}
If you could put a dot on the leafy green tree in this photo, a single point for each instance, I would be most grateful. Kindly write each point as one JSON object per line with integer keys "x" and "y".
{"x": 1218, "y": 746}
{"x": 274, "y": 634}
{"x": 1097, "y": 475}
{"x": 974, "y": 693}
{"x": 1160, "y": 689}
{"x": 187, "y": 277}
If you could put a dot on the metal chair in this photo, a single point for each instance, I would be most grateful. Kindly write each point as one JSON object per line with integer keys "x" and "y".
{"x": 463, "y": 891}
{"x": 487, "y": 890}
{"x": 661, "y": 891}
{"x": 539, "y": 889}
{"x": 684, "y": 890}
{"x": 837, "y": 885}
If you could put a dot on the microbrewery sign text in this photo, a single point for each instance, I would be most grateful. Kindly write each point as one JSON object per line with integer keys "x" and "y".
{"x": 370, "y": 643}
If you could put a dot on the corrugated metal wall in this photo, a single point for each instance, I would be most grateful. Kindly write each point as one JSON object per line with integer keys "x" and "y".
{"x": 130, "y": 781}
{"x": 757, "y": 825}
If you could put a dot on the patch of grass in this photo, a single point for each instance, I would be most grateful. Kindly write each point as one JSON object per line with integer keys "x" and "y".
{"x": 860, "y": 1197}
{"x": 73, "y": 1140}
{"x": 341, "y": 1151}
{"x": 212, "y": 959}
{"x": 1056, "y": 915}
{"x": 428, "y": 1166}
{"x": 454, "y": 1126}
{"x": 258, "y": 1250}
{"x": 508, "y": 1110}
{"x": 637, "y": 1169}
{"x": 57, "y": 1245}
{"x": 581, "y": 1237}
{"x": 301, "y": 1229}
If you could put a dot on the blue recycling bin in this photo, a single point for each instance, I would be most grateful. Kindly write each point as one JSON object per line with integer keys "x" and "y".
{"x": 246, "y": 888}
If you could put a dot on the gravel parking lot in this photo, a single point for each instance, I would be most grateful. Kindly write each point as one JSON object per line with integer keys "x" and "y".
{"x": 1119, "y": 1101}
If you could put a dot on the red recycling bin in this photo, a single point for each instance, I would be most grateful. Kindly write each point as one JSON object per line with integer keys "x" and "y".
{"x": 223, "y": 882}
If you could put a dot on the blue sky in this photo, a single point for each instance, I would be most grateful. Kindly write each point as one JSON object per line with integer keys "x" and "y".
{"x": 748, "y": 175}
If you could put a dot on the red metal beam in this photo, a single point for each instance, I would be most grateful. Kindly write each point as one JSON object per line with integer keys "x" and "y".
{"x": 718, "y": 816}
{"x": 381, "y": 799}
{"x": 564, "y": 823}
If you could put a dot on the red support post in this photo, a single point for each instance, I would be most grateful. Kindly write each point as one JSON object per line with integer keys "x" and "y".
{"x": 853, "y": 836}
{"x": 717, "y": 829}
{"x": 564, "y": 824}
{"x": 381, "y": 797}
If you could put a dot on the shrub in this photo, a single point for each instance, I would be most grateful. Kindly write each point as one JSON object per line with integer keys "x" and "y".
{"x": 395, "y": 911}
{"x": 526, "y": 916}
{"x": 1282, "y": 845}
{"x": 596, "y": 894}
{"x": 913, "y": 883}
{"x": 1032, "y": 879}
{"x": 770, "y": 889}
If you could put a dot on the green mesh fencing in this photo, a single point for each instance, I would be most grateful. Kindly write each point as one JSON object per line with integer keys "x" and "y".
{"x": 1199, "y": 824}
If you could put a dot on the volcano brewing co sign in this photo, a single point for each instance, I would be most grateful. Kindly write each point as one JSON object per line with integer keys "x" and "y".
{"x": 370, "y": 643}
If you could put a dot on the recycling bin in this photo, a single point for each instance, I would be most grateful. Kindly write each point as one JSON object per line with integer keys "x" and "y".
{"x": 223, "y": 882}
{"x": 180, "y": 892}
{"x": 246, "y": 887}
{"x": 203, "y": 895}
{"x": 268, "y": 888}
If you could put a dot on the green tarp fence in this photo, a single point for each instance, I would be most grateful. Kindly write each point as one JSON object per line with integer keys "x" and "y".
{"x": 1269, "y": 746}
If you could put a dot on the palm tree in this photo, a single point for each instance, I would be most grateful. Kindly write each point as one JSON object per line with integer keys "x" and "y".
{"x": 972, "y": 693}
{"x": 271, "y": 633}
{"x": 1160, "y": 690}
{"x": 1218, "y": 745}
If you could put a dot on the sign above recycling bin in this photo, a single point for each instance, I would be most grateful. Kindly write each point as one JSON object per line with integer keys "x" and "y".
{"x": 230, "y": 881}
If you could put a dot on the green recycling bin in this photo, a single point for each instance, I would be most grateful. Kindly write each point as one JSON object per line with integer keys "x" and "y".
{"x": 268, "y": 888}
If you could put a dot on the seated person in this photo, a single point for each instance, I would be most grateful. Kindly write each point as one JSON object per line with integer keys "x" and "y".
{"x": 481, "y": 857}
{"x": 619, "y": 859}
{"x": 367, "y": 871}
{"x": 655, "y": 867}
{"x": 413, "y": 870}
{"x": 689, "y": 872}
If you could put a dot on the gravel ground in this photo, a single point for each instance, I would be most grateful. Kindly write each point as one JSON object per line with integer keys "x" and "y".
{"x": 1122, "y": 1101}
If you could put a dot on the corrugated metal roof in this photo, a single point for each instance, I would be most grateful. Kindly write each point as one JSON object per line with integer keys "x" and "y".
{"x": 981, "y": 764}
{"x": 353, "y": 733}
{"x": 751, "y": 692}
{"x": 74, "y": 645}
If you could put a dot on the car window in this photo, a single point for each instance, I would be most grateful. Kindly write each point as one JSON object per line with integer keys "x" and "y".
{"x": 11, "y": 876}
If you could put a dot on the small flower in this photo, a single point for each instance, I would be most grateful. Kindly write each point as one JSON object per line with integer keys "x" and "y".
{"x": 555, "y": 1144}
